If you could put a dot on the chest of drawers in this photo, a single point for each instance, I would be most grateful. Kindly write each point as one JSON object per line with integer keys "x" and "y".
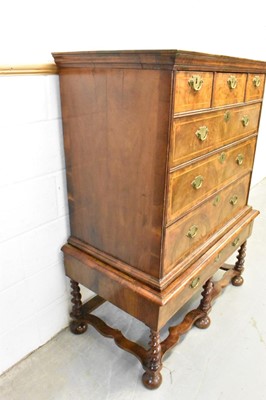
{"x": 159, "y": 150}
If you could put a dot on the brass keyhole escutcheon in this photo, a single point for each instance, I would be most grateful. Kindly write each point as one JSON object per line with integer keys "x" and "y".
{"x": 245, "y": 120}
{"x": 256, "y": 81}
{"x": 195, "y": 82}
{"x": 217, "y": 200}
{"x": 195, "y": 282}
{"x": 217, "y": 258}
{"x": 232, "y": 82}
{"x": 192, "y": 232}
{"x": 222, "y": 157}
{"x": 197, "y": 182}
{"x": 227, "y": 116}
{"x": 235, "y": 242}
{"x": 233, "y": 200}
{"x": 202, "y": 133}
{"x": 240, "y": 159}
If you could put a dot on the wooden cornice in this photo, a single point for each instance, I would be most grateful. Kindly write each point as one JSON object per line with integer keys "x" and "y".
{"x": 35, "y": 69}
{"x": 157, "y": 59}
{"x": 187, "y": 60}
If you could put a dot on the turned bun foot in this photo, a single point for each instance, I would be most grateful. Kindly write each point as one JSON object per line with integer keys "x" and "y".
{"x": 237, "y": 280}
{"x": 152, "y": 380}
{"x": 78, "y": 327}
{"x": 203, "y": 323}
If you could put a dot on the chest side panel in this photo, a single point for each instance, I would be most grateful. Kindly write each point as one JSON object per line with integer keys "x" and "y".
{"x": 116, "y": 133}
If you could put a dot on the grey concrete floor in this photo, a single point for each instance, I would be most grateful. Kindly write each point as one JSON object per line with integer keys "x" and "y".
{"x": 225, "y": 362}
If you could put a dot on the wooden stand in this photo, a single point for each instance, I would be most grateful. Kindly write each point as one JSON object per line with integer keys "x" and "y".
{"x": 151, "y": 359}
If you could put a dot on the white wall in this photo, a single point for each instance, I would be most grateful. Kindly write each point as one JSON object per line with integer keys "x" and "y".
{"x": 33, "y": 216}
{"x": 31, "y": 30}
{"x": 33, "y": 211}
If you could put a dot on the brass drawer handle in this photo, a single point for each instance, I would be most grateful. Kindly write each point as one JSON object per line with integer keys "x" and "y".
{"x": 256, "y": 81}
{"x": 195, "y": 82}
{"x": 232, "y": 82}
{"x": 233, "y": 200}
{"x": 197, "y": 183}
{"x": 240, "y": 159}
{"x": 195, "y": 282}
{"x": 245, "y": 120}
{"x": 192, "y": 232}
{"x": 217, "y": 200}
{"x": 235, "y": 242}
{"x": 222, "y": 157}
{"x": 227, "y": 116}
{"x": 202, "y": 133}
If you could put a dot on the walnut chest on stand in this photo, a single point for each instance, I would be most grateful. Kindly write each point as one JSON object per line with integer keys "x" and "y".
{"x": 159, "y": 150}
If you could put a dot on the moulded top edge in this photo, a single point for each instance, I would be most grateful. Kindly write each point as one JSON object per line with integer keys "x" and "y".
{"x": 118, "y": 58}
{"x": 162, "y": 59}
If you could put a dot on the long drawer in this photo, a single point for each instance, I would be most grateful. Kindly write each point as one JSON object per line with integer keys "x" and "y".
{"x": 195, "y": 135}
{"x": 194, "y": 183}
{"x": 192, "y": 230}
{"x": 189, "y": 282}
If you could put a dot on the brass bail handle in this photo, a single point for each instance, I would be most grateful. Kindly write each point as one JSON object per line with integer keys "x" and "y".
{"x": 195, "y": 82}
{"x": 245, "y": 121}
{"x": 232, "y": 82}
{"x": 235, "y": 242}
{"x": 256, "y": 81}
{"x": 202, "y": 133}
{"x": 233, "y": 200}
{"x": 192, "y": 232}
{"x": 195, "y": 282}
{"x": 240, "y": 159}
{"x": 197, "y": 182}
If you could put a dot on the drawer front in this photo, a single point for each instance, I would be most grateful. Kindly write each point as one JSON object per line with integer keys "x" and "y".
{"x": 196, "y": 279}
{"x": 191, "y": 185}
{"x": 192, "y": 91}
{"x": 229, "y": 88}
{"x": 184, "y": 236}
{"x": 195, "y": 135}
{"x": 255, "y": 86}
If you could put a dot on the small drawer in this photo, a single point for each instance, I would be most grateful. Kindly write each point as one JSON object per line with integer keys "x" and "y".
{"x": 199, "y": 277}
{"x": 229, "y": 88}
{"x": 233, "y": 245}
{"x": 255, "y": 86}
{"x": 194, "y": 183}
{"x": 195, "y": 135}
{"x": 192, "y": 91}
{"x": 184, "y": 236}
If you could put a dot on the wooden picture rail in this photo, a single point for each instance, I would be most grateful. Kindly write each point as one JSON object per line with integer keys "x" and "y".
{"x": 35, "y": 69}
